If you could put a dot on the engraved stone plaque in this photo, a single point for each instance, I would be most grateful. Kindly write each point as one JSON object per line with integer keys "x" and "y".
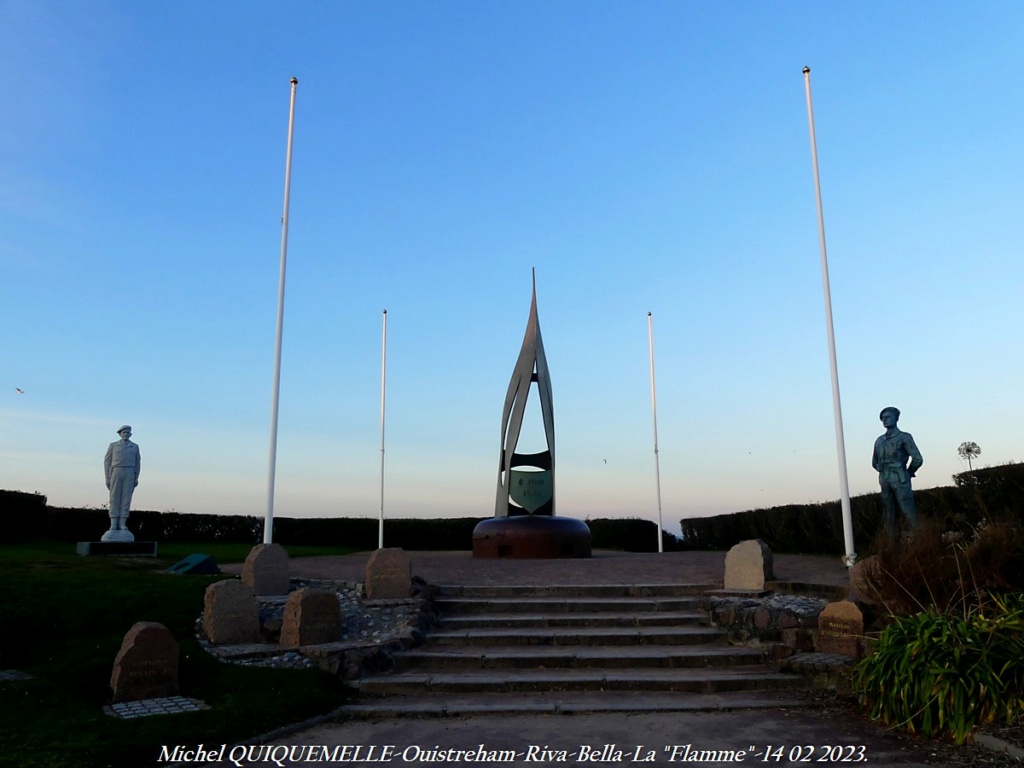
{"x": 840, "y": 629}
{"x": 146, "y": 667}
{"x": 388, "y": 574}
{"x": 266, "y": 570}
{"x": 311, "y": 616}
{"x": 230, "y": 613}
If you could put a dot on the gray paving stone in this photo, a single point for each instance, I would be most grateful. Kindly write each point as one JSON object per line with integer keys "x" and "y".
{"x": 168, "y": 705}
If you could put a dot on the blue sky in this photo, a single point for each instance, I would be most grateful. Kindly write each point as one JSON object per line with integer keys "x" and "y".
{"x": 642, "y": 156}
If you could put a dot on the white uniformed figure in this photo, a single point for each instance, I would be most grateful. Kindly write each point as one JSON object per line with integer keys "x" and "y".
{"x": 121, "y": 467}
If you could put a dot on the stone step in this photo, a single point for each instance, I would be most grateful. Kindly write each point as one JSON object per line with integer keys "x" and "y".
{"x": 565, "y": 648}
{"x": 704, "y": 680}
{"x": 546, "y": 636}
{"x": 524, "y": 620}
{"x": 565, "y": 703}
{"x": 576, "y": 591}
{"x": 629, "y": 657}
{"x": 464, "y": 605}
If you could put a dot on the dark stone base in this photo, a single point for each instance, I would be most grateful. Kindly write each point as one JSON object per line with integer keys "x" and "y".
{"x": 531, "y": 536}
{"x": 119, "y": 548}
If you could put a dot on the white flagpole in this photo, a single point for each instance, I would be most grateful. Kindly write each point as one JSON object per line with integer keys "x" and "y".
{"x": 654, "y": 411}
{"x": 268, "y": 525}
{"x": 383, "y": 391}
{"x": 844, "y": 485}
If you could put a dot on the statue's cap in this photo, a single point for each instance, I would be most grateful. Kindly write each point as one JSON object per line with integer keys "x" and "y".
{"x": 892, "y": 408}
{"x": 122, "y": 428}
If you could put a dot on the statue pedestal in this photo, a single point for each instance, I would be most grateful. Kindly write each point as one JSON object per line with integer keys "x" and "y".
{"x": 121, "y": 548}
{"x": 122, "y": 535}
{"x": 531, "y": 536}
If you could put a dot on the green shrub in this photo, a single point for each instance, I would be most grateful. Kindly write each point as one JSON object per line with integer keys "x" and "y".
{"x": 940, "y": 674}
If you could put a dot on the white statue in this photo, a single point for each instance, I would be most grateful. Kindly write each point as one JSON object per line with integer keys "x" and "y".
{"x": 121, "y": 467}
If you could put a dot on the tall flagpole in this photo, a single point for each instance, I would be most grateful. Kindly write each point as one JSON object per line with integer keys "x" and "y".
{"x": 654, "y": 411}
{"x": 268, "y": 525}
{"x": 844, "y": 485}
{"x": 383, "y": 391}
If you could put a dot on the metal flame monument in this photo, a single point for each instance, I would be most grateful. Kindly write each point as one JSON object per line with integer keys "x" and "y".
{"x": 524, "y": 523}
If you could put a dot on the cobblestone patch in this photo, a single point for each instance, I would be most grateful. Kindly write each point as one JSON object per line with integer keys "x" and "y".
{"x": 784, "y": 622}
{"x": 167, "y": 705}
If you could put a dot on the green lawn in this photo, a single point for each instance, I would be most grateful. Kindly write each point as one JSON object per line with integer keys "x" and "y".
{"x": 62, "y": 620}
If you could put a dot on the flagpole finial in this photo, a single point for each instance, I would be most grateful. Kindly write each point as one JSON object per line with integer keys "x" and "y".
{"x": 648, "y": 314}
{"x": 295, "y": 81}
{"x": 807, "y": 70}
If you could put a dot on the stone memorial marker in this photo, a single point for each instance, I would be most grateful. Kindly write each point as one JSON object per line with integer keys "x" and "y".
{"x": 311, "y": 616}
{"x": 267, "y": 570}
{"x": 748, "y": 565}
{"x": 230, "y": 614}
{"x": 840, "y": 629}
{"x": 146, "y": 667}
{"x": 388, "y": 574}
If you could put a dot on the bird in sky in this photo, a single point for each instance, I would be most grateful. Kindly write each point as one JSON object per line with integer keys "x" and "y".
{"x": 19, "y": 390}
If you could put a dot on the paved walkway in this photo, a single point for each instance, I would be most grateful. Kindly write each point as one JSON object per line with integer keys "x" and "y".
{"x": 726, "y": 737}
{"x": 605, "y": 567}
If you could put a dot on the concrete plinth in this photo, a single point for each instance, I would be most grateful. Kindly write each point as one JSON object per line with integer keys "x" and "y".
{"x": 122, "y": 535}
{"x": 531, "y": 536}
{"x": 120, "y": 548}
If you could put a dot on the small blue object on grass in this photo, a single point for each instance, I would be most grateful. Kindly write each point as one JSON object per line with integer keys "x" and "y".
{"x": 198, "y": 564}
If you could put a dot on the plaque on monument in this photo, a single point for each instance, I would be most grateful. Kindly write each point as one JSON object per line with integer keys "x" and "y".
{"x": 530, "y": 489}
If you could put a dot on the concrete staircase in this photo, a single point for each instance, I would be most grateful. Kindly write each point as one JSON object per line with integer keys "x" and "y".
{"x": 574, "y": 649}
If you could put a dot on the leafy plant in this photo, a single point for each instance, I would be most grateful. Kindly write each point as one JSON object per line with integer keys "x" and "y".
{"x": 941, "y": 674}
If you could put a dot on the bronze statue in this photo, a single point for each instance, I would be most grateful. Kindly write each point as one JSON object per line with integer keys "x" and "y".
{"x": 890, "y": 459}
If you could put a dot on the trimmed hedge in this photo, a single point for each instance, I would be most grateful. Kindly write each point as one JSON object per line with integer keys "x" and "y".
{"x": 797, "y": 528}
{"x": 629, "y": 535}
{"x": 22, "y": 516}
{"x": 818, "y": 528}
{"x": 72, "y": 525}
